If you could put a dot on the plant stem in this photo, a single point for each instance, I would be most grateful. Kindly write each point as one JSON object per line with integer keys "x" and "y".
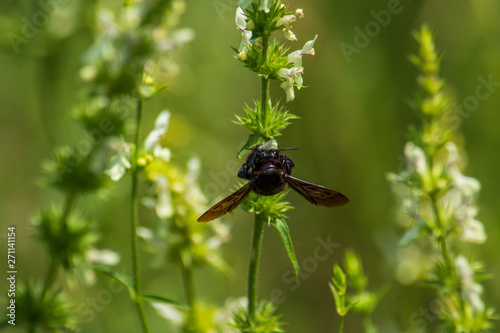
{"x": 134, "y": 204}
{"x": 253, "y": 269}
{"x": 264, "y": 100}
{"x": 368, "y": 324}
{"x": 187, "y": 277}
{"x": 442, "y": 237}
{"x": 341, "y": 324}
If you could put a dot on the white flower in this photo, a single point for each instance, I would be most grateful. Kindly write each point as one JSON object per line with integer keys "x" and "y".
{"x": 299, "y": 12}
{"x": 175, "y": 316}
{"x": 120, "y": 162}
{"x": 163, "y": 153}
{"x": 296, "y": 56}
{"x": 415, "y": 156}
{"x": 145, "y": 233}
{"x": 285, "y": 20}
{"x": 164, "y": 207}
{"x": 470, "y": 289}
{"x": 264, "y": 6}
{"x": 453, "y": 156}
{"x": 292, "y": 76}
{"x": 103, "y": 257}
{"x": 467, "y": 185}
{"x": 308, "y": 47}
{"x": 246, "y": 36}
{"x": 290, "y": 35}
{"x": 240, "y": 19}
{"x": 472, "y": 229}
{"x": 161, "y": 126}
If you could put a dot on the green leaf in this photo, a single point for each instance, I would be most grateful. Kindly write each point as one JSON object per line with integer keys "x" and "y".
{"x": 284, "y": 232}
{"x": 118, "y": 277}
{"x": 339, "y": 300}
{"x": 412, "y": 234}
{"x": 251, "y": 141}
{"x": 153, "y": 298}
{"x": 339, "y": 280}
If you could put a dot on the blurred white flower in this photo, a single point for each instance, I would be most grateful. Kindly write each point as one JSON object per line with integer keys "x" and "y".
{"x": 145, "y": 233}
{"x": 161, "y": 126}
{"x": 467, "y": 185}
{"x": 172, "y": 314}
{"x": 415, "y": 157}
{"x": 103, "y": 257}
{"x": 163, "y": 153}
{"x": 164, "y": 208}
{"x": 170, "y": 41}
{"x": 120, "y": 161}
{"x": 299, "y": 12}
{"x": 472, "y": 230}
{"x": 471, "y": 290}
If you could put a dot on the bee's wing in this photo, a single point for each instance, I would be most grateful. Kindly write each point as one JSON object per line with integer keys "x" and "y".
{"x": 228, "y": 204}
{"x": 317, "y": 194}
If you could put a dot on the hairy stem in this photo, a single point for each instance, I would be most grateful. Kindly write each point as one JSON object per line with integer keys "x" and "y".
{"x": 253, "y": 270}
{"x": 134, "y": 222}
{"x": 264, "y": 100}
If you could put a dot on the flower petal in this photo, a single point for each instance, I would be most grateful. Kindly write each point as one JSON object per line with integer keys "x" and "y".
{"x": 240, "y": 19}
{"x": 308, "y": 47}
{"x": 161, "y": 126}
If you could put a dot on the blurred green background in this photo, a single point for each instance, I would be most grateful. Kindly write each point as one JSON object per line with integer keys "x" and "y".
{"x": 354, "y": 118}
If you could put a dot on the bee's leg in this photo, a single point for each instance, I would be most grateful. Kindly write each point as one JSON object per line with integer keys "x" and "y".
{"x": 244, "y": 171}
{"x": 287, "y": 162}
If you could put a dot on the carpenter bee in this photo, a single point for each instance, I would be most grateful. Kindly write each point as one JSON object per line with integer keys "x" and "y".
{"x": 268, "y": 172}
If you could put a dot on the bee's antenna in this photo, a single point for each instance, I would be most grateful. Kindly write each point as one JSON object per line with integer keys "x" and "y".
{"x": 287, "y": 149}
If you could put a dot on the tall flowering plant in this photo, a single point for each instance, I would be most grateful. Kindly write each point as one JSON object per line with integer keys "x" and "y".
{"x": 441, "y": 201}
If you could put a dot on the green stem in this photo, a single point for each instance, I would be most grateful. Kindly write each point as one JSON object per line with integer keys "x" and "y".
{"x": 134, "y": 204}
{"x": 368, "y": 324}
{"x": 341, "y": 324}
{"x": 442, "y": 237}
{"x": 187, "y": 277}
{"x": 264, "y": 100}
{"x": 253, "y": 269}
{"x": 50, "y": 277}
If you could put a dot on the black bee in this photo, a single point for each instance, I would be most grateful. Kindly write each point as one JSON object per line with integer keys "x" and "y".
{"x": 268, "y": 172}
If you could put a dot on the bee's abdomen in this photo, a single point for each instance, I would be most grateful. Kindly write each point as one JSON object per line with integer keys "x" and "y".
{"x": 269, "y": 180}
